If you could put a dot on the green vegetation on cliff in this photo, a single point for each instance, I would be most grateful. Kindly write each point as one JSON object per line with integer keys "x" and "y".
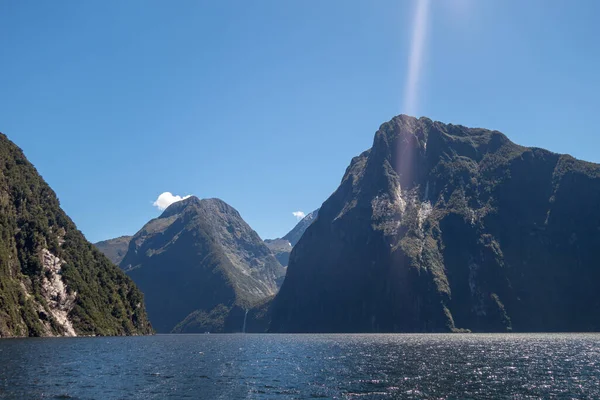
{"x": 52, "y": 280}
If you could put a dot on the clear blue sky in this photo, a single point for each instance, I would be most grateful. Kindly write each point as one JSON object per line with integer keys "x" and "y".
{"x": 264, "y": 103}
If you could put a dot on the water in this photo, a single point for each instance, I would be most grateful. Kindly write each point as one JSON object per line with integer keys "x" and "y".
{"x": 302, "y": 366}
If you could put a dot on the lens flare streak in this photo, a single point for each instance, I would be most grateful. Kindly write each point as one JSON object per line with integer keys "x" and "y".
{"x": 415, "y": 61}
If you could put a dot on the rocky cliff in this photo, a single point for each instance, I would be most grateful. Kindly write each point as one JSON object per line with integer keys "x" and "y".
{"x": 199, "y": 264}
{"x": 446, "y": 228}
{"x": 52, "y": 281}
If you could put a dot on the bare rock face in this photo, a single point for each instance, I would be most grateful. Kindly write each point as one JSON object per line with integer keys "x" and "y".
{"x": 445, "y": 228}
{"x": 52, "y": 281}
{"x": 60, "y": 302}
{"x": 198, "y": 262}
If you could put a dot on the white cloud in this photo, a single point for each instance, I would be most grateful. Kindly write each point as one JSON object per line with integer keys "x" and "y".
{"x": 166, "y": 199}
{"x": 299, "y": 215}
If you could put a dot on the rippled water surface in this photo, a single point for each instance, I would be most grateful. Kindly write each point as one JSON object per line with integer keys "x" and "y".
{"x": 302, "y": 366}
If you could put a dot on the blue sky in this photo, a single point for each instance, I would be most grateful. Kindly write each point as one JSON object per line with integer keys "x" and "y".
{"x": 264, "y": 103}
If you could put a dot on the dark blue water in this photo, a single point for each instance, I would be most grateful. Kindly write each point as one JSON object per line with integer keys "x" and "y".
{"x": 302, "y": 366}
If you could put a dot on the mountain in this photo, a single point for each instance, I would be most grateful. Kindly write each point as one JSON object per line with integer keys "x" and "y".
{"x": 445, "y": 228}
{"x": 200, "y": 265}
{"x": 53, "y": 282}
{"x": 295, "y": 234}
{"x": 282, "y": 247}
{"x": 114, "y": 249}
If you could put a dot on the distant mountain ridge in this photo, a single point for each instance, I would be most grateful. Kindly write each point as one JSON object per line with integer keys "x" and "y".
{"x": 282, "y": 247}
{"x": 115, "y": 249}
{"x": 295, "y": 234}
{"x": 441, "y": 227}
{"x": 200, "y": 266}
{"x": 53, "y": 282}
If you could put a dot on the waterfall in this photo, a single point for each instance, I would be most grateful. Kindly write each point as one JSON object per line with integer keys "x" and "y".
{"x": 244, "y": 326}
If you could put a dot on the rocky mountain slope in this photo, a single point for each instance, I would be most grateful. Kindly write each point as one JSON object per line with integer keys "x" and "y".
{"x": 282, "y": 247}
{"x": 444, "y": 228}
{"x": 52, "y": 281}
{"x": 199, "y": 264}
{"x": 114, "y": 249}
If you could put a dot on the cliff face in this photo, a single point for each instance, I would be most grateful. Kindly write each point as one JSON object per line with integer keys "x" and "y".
{"x": 198, "y": 263}
{"x": 441, "y": 228}
{"x": 52, "y": 281}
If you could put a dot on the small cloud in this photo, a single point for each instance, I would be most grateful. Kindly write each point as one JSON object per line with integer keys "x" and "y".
{"x": 166, "y": 199}
{"x": 299, "y": 215}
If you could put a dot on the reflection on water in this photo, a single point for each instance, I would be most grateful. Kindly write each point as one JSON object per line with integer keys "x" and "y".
{"x": 302, "y": 366}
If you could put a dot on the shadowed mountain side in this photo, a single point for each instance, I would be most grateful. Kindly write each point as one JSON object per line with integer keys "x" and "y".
{"x": 446, "y": 228}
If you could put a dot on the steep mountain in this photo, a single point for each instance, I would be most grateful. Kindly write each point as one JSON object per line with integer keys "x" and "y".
{"x": 52, "y": 281}
{"x": 282, "y": 247}
{"x": 200, "y": 264}
{"x": 114, "y": 249}
{"x": 446, "y": 228}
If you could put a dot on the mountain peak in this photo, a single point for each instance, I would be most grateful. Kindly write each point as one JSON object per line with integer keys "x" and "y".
{"x": 402, "y": 125}
{"x": 179, "y": 206}
{"x": 195, "y": 203}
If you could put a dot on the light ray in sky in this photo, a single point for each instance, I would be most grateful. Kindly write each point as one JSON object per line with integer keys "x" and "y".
{"x": 415, "y": 60}
{"x": 405, "y": 147}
